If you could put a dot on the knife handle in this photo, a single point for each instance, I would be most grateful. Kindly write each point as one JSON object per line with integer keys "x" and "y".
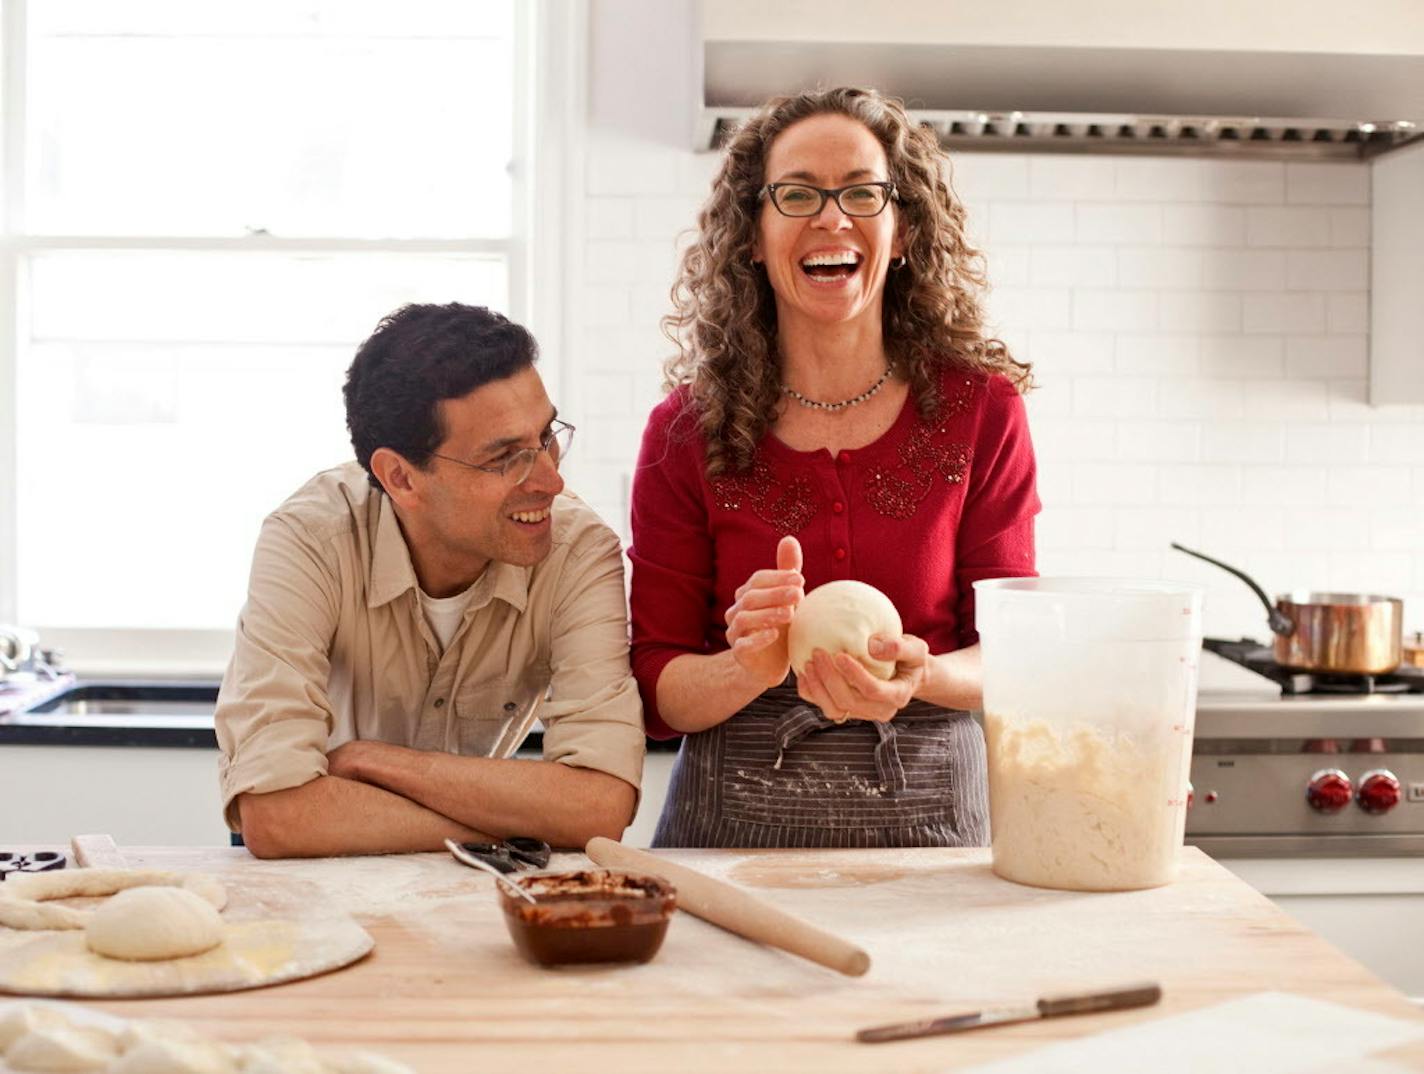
{"x": 1116, "y": 999}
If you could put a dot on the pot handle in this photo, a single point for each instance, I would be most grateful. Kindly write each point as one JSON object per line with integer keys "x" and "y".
{"x": 1280, "y": 623}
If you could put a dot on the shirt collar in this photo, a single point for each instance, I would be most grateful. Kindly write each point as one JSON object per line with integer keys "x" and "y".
{"x": 392, "y": 572}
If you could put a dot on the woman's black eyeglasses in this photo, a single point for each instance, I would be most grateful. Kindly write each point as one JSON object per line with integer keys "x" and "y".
{"x": 798, "y": 199}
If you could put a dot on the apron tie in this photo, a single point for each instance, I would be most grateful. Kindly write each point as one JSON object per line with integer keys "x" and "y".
{"x": 801, "y": 721}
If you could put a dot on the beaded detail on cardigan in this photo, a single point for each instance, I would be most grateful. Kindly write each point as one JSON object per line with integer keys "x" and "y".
{"x": 785, "y": 505}
{"x": 895, "y": 491}
{"x": 898, "y": 492}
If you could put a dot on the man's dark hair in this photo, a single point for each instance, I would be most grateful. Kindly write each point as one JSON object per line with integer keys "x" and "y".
{"x": 416, "y": 357}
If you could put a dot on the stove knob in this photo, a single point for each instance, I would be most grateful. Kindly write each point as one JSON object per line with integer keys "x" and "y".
{"x": 1329, "y": 790}
{"x": 1379, "y": 791}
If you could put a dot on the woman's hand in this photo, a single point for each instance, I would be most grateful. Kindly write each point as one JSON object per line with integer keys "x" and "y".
{"x": 758, "y": 620}
{"x": 842, "y": 688}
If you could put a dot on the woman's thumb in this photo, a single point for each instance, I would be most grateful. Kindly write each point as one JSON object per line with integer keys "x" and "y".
{"x": 788, "y": 554}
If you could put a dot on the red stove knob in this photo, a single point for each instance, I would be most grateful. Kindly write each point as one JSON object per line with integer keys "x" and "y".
{"x": 1379, "y": 791}
{"x": 1328, "y": 791}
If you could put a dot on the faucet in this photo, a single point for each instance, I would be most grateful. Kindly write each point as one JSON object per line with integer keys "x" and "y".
{"x": 21, "y": 654}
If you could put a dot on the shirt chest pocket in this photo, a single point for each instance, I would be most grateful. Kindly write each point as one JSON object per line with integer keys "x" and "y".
{"x": 494, "y": 715}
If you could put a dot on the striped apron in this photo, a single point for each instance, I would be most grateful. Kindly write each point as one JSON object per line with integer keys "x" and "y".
{"x": 779, "y": 774}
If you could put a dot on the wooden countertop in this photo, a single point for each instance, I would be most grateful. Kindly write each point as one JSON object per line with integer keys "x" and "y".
{"x": 446, "y": 992}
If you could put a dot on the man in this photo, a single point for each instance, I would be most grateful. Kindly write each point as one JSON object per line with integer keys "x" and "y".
{"x": 404, "y": 608}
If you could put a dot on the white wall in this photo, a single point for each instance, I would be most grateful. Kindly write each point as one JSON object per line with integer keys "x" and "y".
{"x": 1198, "y": 328}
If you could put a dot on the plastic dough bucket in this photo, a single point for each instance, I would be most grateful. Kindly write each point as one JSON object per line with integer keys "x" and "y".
{"x": 1089, "y": 697}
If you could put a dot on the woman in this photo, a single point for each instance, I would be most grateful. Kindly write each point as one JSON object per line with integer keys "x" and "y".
{"x": 835, "y": 412}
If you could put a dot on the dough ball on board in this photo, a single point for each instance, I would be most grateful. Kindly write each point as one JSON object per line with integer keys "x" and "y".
{"x": 153, "y": 923}
{"x": 840, "y": 617}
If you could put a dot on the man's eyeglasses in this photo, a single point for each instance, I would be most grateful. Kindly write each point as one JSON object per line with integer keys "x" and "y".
{"x": 516, "y": 467}
{"x": 797, "y": 199}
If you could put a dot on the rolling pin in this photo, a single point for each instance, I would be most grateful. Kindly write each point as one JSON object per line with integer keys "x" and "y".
{"x": 734, "y": 910}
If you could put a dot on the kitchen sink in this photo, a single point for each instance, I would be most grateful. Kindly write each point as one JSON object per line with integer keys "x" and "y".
{"x": 129, "y": 699}
{"x": 121, "y": 712}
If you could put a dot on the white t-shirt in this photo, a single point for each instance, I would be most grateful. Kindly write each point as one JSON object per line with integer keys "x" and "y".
{"x": 444, "y": 614}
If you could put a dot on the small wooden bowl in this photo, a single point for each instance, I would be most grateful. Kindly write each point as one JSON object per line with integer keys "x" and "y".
{"x": 589, "y": 916}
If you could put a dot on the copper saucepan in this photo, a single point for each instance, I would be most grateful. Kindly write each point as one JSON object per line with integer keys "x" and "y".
{"x": 1414, "y": 650}
{"x": 1338, "y": 633}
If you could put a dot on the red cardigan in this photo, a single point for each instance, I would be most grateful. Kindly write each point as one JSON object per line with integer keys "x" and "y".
{"x": 921, "y": 513}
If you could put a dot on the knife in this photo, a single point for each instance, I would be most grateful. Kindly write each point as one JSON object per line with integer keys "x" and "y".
{"x": 1115, "y": 999}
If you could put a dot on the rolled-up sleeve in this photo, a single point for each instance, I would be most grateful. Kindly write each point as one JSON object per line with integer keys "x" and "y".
{"x": 593, "y": 717}
{"x": 274, "y": 716}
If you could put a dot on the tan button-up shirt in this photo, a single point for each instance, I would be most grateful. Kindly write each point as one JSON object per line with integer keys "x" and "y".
{"x": 332, "y": 646}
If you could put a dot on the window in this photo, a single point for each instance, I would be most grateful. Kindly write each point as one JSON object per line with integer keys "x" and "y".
{"x": 207, "y": 207}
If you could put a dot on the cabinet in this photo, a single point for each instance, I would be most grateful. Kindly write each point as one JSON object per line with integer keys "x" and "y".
{"x": 1370, "y": 908}
{"x": 141, "y": 796}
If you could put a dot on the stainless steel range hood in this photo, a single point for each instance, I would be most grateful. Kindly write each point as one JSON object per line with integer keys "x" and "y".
{"x": 1090, "y": 76}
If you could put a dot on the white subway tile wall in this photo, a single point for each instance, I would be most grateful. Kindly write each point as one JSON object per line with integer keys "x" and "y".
{"x": 1198, "y": 331}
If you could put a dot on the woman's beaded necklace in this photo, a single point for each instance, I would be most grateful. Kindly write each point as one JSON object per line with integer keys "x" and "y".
{"x": 855, "y": 400}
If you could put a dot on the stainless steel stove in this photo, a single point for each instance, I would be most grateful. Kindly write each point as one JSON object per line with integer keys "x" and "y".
{"x": 1316, "y": 799}
{"x": 1292, "y": 765}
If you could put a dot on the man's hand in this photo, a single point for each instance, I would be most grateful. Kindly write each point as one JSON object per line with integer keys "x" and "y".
{"x": 328, "y": 816}
{"x": 359, "y": 759}
{"x": 562, "y": 805}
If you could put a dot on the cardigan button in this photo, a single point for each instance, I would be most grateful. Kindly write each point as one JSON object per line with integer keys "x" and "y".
{"x": 844, "y": 456}
{"x": 839, "y": 553}
{"x": 838, "y": 508}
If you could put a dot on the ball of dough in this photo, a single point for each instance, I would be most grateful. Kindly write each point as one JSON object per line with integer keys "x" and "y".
{"x": 840, "y": 617}
{"x": 150, "y": 924}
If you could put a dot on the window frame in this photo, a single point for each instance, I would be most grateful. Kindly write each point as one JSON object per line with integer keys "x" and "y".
{"x": 548, "y": 100}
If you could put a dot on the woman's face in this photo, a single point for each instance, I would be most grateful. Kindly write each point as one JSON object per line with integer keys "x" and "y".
{"x": 828, "y": 268}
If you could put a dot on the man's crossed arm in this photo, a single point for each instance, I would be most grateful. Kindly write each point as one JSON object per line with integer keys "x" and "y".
{"x": 379, "y": 798}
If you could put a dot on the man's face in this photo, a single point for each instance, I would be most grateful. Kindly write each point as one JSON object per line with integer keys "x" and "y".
{"x": 473, "y": 515}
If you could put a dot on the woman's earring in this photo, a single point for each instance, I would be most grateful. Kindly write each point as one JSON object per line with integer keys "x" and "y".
{"x": 898, "y": 263}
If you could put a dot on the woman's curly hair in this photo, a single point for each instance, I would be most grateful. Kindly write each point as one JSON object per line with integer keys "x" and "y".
{"x": 724, "y": 324}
